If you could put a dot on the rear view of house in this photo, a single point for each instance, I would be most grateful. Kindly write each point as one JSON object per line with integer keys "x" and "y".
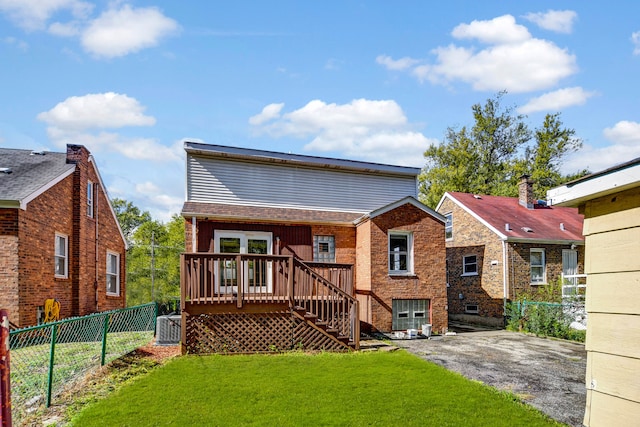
{"x": 499, "y": 248}
{"x": 354, "y": 229}
{"x": 61, "y": 248}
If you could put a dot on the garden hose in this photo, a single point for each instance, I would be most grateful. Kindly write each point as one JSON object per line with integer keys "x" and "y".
{"x": 51, "y": 310}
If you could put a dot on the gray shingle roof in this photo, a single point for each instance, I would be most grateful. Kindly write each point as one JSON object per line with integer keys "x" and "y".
{"x": 29, "y": 172}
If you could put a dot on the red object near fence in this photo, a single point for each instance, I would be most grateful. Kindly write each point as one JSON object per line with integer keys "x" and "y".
{"x": 5, "y": 382}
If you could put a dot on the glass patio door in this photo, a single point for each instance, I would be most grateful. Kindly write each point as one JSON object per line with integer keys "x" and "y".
{"x": 256, "y": 275}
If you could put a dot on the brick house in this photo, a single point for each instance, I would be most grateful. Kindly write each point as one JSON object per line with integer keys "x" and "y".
{"x": 59, "y": 236}
{"x": 359, "y": 224}
{"x": 499, "y": 247}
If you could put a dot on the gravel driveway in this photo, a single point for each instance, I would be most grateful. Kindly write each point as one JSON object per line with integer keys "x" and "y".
{"x": 546, "y": 373}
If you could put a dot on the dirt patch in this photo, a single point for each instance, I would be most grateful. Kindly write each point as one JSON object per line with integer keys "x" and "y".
{"x": 100, "y": 383}
{"x": 546, "y": 373}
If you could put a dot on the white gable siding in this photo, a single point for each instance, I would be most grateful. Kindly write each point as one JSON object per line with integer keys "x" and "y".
{"x": 281, "y": 185}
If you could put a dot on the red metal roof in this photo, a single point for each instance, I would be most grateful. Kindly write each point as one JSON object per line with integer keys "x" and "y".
{"x": 543, "y": 221}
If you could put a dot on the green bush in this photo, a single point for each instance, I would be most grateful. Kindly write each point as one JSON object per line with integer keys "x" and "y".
{"x": 542, "y": 319}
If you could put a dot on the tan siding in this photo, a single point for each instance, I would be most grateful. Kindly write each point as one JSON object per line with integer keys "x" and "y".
{"x": 605, "y": 410}
{"x": 605, "y": 291}
{"x": 610, "y": 252}
{"x": 613, "y": 212}
{"x": 614, "y": 334}
{"x": 608, "y": 373}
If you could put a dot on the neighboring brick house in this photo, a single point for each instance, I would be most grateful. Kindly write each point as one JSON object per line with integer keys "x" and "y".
{"x": 361, "y": 217}
{"x": 500, "y": 247}
{"x": 59, "y": 236}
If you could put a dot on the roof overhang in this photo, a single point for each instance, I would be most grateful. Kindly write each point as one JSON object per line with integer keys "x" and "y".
{"x": 264, "y": 156}
{"x": 391, "y": 206}
{"x": 609, "y": 181}
{"x": 543, "y": 241}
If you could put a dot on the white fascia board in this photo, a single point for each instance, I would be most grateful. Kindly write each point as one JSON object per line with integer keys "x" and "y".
{"x": 473, "y": 214}
{"x": 48, "y": 185}
{"x": 106, "y": 195}
{"x": 391, "y": 206}
{"x": 574, "y": 194}
{"x": 544, "y": 241}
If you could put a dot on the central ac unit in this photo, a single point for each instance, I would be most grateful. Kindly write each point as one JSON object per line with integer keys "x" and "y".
{"x": 168, "y": 330}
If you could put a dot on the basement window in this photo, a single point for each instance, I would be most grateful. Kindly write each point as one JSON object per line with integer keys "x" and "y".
{"x": 471, "y": 308}
{"x": 409, "y": 313}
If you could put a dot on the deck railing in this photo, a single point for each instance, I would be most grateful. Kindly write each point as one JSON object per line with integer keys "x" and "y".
{"x": 214, "y": 278}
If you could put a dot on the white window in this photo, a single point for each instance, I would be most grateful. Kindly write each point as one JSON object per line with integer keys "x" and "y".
{"x": 448, "y": 226}
{"x": 61, "y": 256}
{"x": 469, "y": 265}
{"x": 324, "y": 248}
{"x": 538, "y": 267}
{"x": 90, "y": 199}
{"x": 113, "y": 273}
{"x": 471, "y": 308}
{"x": 400, "y": 253}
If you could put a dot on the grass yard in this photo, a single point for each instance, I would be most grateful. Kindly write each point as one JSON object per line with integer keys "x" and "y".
{"x": 297, "y": 389}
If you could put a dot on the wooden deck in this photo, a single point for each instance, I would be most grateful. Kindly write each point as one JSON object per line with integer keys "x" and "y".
{"x": 246, "y": 303}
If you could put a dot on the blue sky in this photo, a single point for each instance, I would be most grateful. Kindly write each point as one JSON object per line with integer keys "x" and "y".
{"x": 367, "y": 80}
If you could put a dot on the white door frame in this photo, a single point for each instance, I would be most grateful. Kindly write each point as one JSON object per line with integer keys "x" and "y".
{"x": 244, "y": 237}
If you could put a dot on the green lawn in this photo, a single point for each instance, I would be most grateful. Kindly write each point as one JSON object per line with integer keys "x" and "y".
{"x": 296, "y": 389}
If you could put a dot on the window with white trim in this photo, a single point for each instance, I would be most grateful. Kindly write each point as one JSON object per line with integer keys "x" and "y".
{"x": 324, "y": 248}
{"x": 469, "y": 265}
{"x": 538, "y": 267}
{"x": 471, "y": 308}
{"x": 400, "y": 252}
{"x": 113, "y": 273}
{"x": 61, "y": 256}
{"x": 448, "y": 226}
{"x": 90, "y": 199}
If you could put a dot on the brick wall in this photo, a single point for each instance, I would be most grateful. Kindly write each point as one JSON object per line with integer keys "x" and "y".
{"x": 486, "y": 290}
{"x": 9, "y": 276}
{"x": 428, "y": 278}
{"x": 62, "y": 209}
{"x": 345, "y": 240}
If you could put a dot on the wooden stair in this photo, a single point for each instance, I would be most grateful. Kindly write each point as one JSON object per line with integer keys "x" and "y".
{"x": 312, "y": 320}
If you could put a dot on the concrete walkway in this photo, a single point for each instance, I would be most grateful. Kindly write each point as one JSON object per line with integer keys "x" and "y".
{"x": 546, "y": 373}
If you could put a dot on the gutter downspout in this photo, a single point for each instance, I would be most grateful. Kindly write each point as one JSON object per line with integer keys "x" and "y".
{"x": 504, "y": 281}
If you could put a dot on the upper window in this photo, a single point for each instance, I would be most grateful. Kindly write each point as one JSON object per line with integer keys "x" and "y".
{"x": 469, "y": 265}
{"x": 448, "y": 226}
{"x": 90, "y": 199}
{"x": 113, "y": 273}
{"x": 400, "y": 253}
{"x": 61, "y": 256}
{"x": 538, "y": 266}
{"x": 324, "y": 248}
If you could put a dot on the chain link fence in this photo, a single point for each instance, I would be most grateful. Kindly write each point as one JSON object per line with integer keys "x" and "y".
{"x": 48, "y": 359}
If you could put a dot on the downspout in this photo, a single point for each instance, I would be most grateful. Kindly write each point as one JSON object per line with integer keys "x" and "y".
{"x": 95, "y": 215}
{"x": 504, "y": 281}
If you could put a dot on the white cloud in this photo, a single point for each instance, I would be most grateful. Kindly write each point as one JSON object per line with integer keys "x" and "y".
{"x": 20, "y": 44}
{"x": 270, "y": 112}
{"x": 372, "y": 130}
{"x": 100, "y": 110}
{"x": 162, "y": 203}
{"x": 560, "y": 21}
{"x": 70, "y": 29}
{"x": 625, "y": 138}
{"x": 83, "y": 120}
{"x": 635, "y": 39}
{"x": 514, "y": 60}
{"x": 33, "y": 15}
{"x": 557, "y": 100}
{"x": 500, "y": 30}
{"x": 118, "y": 32}
{"x": 396, "y": 64}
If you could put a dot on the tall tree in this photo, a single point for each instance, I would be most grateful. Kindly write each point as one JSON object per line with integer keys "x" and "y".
{"x": 491, "y": 157}
{"x": 129, "y": 216}
{"x": 543, "y": 160}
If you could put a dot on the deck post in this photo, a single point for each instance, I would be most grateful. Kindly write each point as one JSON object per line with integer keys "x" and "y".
{"x": 239, "y": 280}
{"x": 290, "y": 283}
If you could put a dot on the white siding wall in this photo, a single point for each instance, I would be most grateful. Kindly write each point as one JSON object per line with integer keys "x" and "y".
{"x": 280, "y": 185}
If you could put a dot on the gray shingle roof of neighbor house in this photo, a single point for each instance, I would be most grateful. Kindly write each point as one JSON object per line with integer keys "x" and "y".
{"x": 24, "y": 174}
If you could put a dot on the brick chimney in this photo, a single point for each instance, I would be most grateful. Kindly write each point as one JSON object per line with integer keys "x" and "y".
{"x": 525, "y": 192}
{"x": 77, "y": 154}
